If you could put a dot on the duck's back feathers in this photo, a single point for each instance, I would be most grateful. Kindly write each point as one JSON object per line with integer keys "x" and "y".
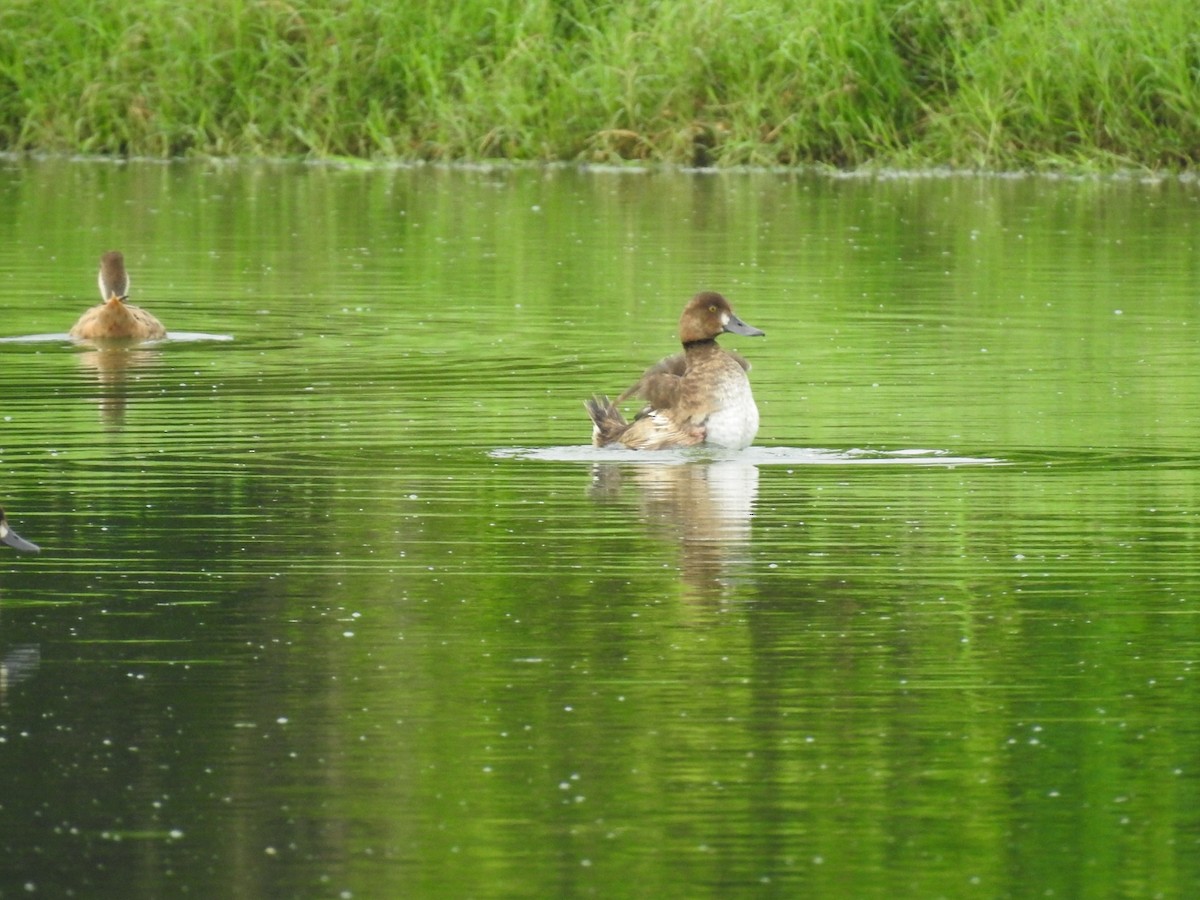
{"x": 660, "y": 384}
{"x": 116, "y": 320}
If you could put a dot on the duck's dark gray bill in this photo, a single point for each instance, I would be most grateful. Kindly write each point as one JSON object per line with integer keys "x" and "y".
{"x": 737, "y": 326}
{"x": 14, "y": 540}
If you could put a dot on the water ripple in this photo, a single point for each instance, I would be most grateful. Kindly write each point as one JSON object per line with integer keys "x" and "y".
{"x": 759, "y": 456}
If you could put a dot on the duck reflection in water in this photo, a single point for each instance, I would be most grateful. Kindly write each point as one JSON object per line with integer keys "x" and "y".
{"x": 19, "y": 664}
{"x": 22, "y": 660}
{"x": 114, "y": 328}
{"x": 705, "y": 507}
{"x": 114, "y": 367}
{"x": 113, "y": 318}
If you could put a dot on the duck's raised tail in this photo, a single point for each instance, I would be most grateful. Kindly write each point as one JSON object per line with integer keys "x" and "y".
{"x": 607, "y": 422}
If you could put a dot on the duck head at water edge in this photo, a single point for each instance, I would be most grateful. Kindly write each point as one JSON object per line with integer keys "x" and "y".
{"x": 699, "y": 396}
{"x": 14, "y": 540}
{"x": 114, "y": 319}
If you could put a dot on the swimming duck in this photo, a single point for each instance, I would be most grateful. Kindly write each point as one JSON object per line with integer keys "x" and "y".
{"x": 114, "y": 318}
{"x": 701, "y": 395}
{"x": 14, "y": 540}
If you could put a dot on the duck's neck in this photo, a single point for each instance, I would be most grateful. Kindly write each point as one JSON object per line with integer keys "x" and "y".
{"x": 694, "y": 346}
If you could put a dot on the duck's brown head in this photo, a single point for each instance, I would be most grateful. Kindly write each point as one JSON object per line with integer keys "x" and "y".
{"x": 707, "y": 315}
{"x": 113, "y": 280}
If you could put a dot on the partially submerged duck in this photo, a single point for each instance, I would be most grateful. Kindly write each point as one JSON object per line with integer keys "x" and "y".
{"x": 14, "y": 540}
{"x": 114, "y": 318}
{"x": 699, "y": 396}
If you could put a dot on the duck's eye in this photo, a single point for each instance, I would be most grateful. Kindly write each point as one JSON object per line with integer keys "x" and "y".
{"x": 712, "y": 309}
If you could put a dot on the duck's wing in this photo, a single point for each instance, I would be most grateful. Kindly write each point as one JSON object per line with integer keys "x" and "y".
{"x": 652, "y": 430}
{"x": 659, "y": 385}
{"x": 662, "y": 385}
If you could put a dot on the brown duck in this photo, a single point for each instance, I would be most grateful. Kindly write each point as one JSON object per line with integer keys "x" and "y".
{"x": 114, "y": 318}
{"x": 699, "y": 396}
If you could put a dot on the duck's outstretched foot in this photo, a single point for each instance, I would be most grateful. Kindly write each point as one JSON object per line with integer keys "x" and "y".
{"x": 649, "y": 430}
{"x": 607, "y": 422}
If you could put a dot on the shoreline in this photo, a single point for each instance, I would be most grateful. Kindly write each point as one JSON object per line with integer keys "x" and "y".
{"x": 869, "y": 172}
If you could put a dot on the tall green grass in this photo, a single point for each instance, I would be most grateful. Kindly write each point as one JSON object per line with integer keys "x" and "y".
{"x": 1108, "y": 83}
{"x": 981, "y": 83}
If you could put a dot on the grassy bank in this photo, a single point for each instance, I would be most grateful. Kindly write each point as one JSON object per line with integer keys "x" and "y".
{"x": 997, "y": 84}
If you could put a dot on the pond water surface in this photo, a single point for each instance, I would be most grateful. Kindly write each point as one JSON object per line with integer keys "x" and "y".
{"x": 334, "y": 599}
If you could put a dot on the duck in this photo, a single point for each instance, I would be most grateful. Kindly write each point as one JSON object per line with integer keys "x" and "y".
{"x": 14, "y": 540}
{"x": 698, "y": 396}
{"x": 114, "y": 318}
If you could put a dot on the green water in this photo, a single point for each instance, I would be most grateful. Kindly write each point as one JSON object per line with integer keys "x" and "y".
{"x": 345, "y": 607}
